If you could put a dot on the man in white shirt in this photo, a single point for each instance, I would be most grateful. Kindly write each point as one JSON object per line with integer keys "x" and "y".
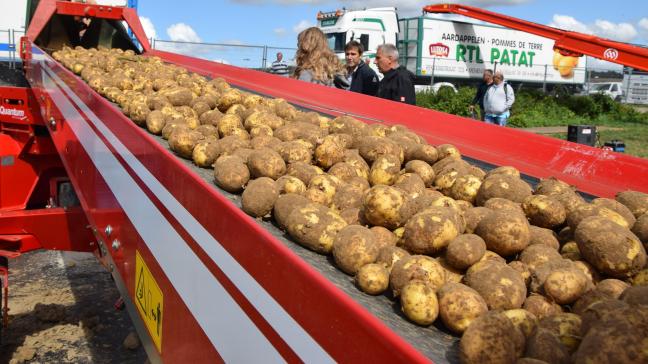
{"x": 498, "y": 100}
{"x": 279, "y": 67}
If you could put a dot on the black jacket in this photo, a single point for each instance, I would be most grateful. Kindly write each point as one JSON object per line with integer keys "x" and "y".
{"x": 398, "y": 85}
{"x": 364, "y": 80}
{"x": 479, "y": 96}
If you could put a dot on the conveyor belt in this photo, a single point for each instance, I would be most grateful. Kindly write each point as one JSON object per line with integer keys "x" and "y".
{"x": 434, "y": 342}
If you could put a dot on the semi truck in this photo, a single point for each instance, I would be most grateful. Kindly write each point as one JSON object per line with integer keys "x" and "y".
{"x": 456, "y": 49}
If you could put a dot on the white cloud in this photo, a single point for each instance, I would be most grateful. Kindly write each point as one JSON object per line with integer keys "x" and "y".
{"x": 279, "y": 31}
{"x": 621, "y": 32}
{"x": 181, "y": 32}
{"x": 302, "y": 25}
{"x": 223, "y": 61}
{"x": 643, "y": 23}
{"x": 148, "y": 26}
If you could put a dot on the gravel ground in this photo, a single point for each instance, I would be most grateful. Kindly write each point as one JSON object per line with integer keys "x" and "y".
{"x": 62, "y": 311}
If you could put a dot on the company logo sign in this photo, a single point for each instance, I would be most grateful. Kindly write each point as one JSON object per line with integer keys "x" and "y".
{"x": 611, "y": 53}
{"x": 16, "y": 113}
{"x": 439, "y": 50}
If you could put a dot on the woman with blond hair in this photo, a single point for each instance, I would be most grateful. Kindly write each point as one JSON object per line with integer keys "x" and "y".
{"x": 315, "y": 61}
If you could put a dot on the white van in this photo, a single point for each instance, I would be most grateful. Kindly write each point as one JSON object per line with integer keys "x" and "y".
{"x": 612, "y": 89}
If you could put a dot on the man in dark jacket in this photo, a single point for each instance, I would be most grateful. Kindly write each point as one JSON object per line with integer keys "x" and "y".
{"x": 360, "y": 76}
{"x": 397, "y": 83}
{"x": 481, "y": 92}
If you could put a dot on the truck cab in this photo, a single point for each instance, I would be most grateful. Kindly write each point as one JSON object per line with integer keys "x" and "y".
{"x": 370, "y": 27}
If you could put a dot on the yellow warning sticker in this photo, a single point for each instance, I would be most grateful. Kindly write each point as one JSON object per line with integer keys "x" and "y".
{"x": 149, "y": 300}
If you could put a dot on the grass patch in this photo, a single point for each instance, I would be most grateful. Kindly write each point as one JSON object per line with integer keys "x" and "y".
{"x": 535, "y": 109}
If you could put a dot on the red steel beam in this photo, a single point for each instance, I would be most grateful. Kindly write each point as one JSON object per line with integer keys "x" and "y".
{"x": 574, "y": 42}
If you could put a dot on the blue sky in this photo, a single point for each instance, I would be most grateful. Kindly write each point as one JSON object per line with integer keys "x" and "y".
{"x": 277, "y": 22}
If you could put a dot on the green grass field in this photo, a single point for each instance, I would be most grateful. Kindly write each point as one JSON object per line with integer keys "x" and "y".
{"x": 535, "y": 109}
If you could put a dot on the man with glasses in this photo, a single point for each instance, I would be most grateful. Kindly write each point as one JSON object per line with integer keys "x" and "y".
{"x": 498, "y": 100}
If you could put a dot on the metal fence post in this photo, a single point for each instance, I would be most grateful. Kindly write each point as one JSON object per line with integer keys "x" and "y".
{"x": 544, "y": 81}
{"x": 627, "y": 93}
{"x": 264, "y": 61}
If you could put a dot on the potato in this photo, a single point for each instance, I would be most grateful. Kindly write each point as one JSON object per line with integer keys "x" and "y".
{"x": 326, "y": 184}
{"x": 261, "y": 142}
{"x": 424, "y": 152}
{"x": 465, "y": 188}
{"x": 208, "y": 131}
{"x": 261, "y": 130}
{"x": 459, "y": 305}
{"x": 491, "y": 256}
{"x": 352, "y": 216}
{"x": 612, "y": 287}
{"x": 384, "y": 170}
{"x": 294, "y": 151}
{"x": 347, "y": 196}
{"x": 570, "y": 251}
{"x": 636, "y": 202}
{"x": 416, "y": 267}
{"x": 315, "y": 226}
{"x": 423, "y": 169}
{"x": 537, "y": 254}
{"x": 566, "y": 327}
{"x": 200, "y": 107}
{"x": 503, "y": 186}
{"x": 138, "y": 112}
{"x": 183, "y": 142}
{"x": 178, "y": 96}
{"x": 231, "y": 173}
{"x": 522, "y": 320}
{"x": 259, "y": 197}
{"x": 430, "y": 231}
{"x": 228, "y": 99}
{"x": 211, "y": 117}
{"x": 448, "y": 151}
{"x": 284, "y": 205}
{"x": 419, "y": 302}
{"x": 501, "y": 286}
{"x": 565, "y": 286}
{"x": 382, "y": 205}
{"x": 590, "y": 272}
{"x": 228, "y": 125}
{"x": 266, "y": 163}
{"x": 343, "y": 171}
{"x": 502, "y": 204}
{"x": 641, "y": 278}
{"x": 204, "y": 153}
{"x": 544, "y": 211}
{"x": 348, "y": 125}
{"x": 552, "y": 186}
{"x": 329, "y": 153}
{"x": 523, "y": 269}
{"x": 411, "y": 183}
{"x": 504, "y": 233}
{"x": 540, "y": 306}
{"x": 586, "y": 210}
{"x": 289, "y": 184}
{"x": 155, "y": 122}
{"x": 621, "y": 335}
{"x": 503, "y": 170}
{"x": 389, "y": 255}
{"x": 570, "y": 200}
{"x": 491, "y": 338}
{"x": 610, "y": 248}
{"x": 617, "y": 207}
{"x": 383, "y": 237}
{"x": 546, "y": 346}
{"x": 635, "y": 295}
{"x": 230, "y": 144}
{"x": 304, "y": 171}
{"x": 372, "y": 279}
{"x": 543, "y": 269}
{"x": 446, "y": 178}
{"x": 543, "y": 236}
{"x": 473, "y": 216}
{"x": 353, "y": 248}
{"x": 371, "y": 148}
{"x": 640, "y": 229}
{"x": 465, "y": 250}
{"x": 262, "y": 118}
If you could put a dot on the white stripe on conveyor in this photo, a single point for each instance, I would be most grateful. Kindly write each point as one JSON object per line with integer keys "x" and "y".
{"x": 293, "y": 334}
{"x": 230, "y": 330}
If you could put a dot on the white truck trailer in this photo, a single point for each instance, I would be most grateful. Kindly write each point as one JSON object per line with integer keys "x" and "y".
{"x": 437, "y": 49}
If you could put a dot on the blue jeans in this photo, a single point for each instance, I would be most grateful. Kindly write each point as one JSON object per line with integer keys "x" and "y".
{"x": 497, "y": 119}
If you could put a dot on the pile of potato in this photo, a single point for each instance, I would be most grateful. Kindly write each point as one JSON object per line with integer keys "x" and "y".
{"x": 524, "y": 274}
